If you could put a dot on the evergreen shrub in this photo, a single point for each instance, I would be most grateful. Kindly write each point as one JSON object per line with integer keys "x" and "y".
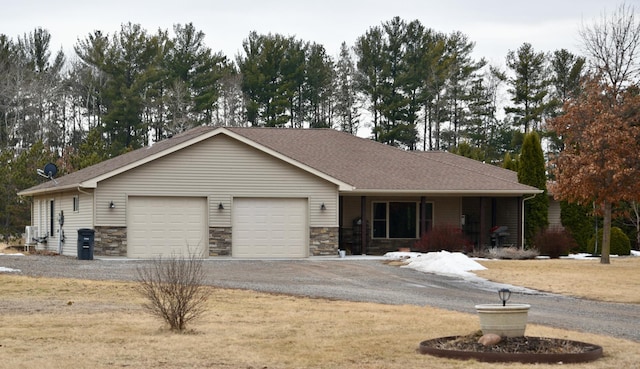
{"x": 620, "y": 243}
{"x": 578, "y": 222}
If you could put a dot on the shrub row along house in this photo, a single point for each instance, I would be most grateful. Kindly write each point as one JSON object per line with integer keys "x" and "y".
{"x": 266, "y": 192}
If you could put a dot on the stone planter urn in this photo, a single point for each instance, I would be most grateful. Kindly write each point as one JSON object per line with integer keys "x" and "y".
{"x": 508, "y": 320}
{"x": 505, "y": 320}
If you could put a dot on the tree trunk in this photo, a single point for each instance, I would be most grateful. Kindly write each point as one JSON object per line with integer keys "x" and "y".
{"x": 606, "y": 234}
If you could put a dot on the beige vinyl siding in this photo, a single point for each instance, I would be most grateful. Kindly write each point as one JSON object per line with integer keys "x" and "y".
{"x": 73, "y": 221}
{"x": 555, "y": 220}
{"x": 446, "y": 211}
{"x": 40, "y": 215}
{"x": 350, "y": 210}
{"x": 219, "y": 168}
{"x": 42, "y": 220}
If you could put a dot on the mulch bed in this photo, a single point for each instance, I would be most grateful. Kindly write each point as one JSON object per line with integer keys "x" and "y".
{"x": 519, "y": 349}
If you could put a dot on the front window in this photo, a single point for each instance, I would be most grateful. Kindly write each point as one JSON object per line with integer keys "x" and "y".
{"x": 395, "y": 220}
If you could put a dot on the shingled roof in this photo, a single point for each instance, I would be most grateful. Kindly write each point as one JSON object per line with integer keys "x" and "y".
{"x": 365, "y": 165}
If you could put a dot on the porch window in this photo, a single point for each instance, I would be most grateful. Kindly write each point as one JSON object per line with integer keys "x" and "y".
{"x": 395, "y": 220}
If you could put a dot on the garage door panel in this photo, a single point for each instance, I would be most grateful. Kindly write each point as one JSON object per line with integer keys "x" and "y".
{"x": 264, "y": 227}
{"x": 165, "y": 226}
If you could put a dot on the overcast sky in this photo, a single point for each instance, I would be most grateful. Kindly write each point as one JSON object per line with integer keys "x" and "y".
{"x": 496, "y": 26}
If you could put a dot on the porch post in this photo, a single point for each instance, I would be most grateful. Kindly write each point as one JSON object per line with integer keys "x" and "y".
{"x": 494, "y": 212}
{"x": 423, "y": 216}
{"x": 340, "y": 222}
{"x": 483, "y": 222}
{"x": 363, "y": 226}
{"x": 520, "y": 222}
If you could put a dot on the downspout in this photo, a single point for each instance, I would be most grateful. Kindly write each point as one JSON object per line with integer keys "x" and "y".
{"x": 93, "y": 207}
{"x": 60, "y": 231}
{"x": 523, "y": 219}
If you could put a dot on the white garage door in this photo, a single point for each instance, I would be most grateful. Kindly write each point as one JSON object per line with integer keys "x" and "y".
{"x": 269, "y": 228}
{"x": 165, "y": 226}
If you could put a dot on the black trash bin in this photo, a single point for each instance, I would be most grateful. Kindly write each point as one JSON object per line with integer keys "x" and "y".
{"x": 85, "y": 243}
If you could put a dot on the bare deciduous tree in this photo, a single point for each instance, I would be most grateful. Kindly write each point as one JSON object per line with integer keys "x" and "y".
{"x": 174, "y": 289}
{"x": 613, "y": 46}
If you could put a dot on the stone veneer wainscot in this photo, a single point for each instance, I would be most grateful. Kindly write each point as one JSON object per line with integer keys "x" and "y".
{"x": 219, "y": 241}
{"x": 110, "y": 241}
{"x": 323, "y": 241}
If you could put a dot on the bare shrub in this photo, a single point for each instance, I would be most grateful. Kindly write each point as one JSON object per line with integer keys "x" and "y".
{"x": 174, "y": 289}
{"x": 554, "y": 242}
{"x": 444, "y": 237}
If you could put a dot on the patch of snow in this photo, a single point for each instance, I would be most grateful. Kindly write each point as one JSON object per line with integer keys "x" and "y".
{"x": 9, "y": 270}
{"x": 443, "y": 262}
{"x": 635, "y": 253}
{"x": 454, "y": 264}
{"x": 580, "y": 256}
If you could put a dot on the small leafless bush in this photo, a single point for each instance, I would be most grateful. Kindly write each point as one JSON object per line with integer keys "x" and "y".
{"x": 554, "y": 242}
{"x": 174, "y": 289}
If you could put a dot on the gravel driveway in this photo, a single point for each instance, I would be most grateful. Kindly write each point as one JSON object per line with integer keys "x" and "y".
{"x": 360, "y": 279}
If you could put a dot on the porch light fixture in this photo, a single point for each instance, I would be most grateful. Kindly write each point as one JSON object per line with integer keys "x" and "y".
{"x": 112, "y": 205}
{"x": 504, "y": 294}
{"x": 323, "y": 207}
{"x": 220, "y": 206}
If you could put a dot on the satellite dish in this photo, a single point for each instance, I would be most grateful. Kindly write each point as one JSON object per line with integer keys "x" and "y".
{"x": 50, "y": 170}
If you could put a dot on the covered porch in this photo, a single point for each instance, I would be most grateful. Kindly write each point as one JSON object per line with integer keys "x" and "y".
{"x": 376, "y": 224}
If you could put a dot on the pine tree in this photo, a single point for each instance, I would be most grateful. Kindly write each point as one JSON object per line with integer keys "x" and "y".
{"x": 529, "y": 87}
{"x": 346, "y": 108}
{"x": 463, "y": 70}
{"x": 370, "y": 64}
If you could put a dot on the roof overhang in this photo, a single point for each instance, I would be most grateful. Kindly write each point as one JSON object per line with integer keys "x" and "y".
{"x": 47, "y": 190}
{"x": 496, "y": 193}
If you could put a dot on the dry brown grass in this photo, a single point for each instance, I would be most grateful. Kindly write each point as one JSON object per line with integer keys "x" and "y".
{"x": 615, "y": 282}
{"x": 61, "y": 323}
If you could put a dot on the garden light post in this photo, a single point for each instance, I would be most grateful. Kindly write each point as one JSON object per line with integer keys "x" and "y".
{"x": 504, "y": 294}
